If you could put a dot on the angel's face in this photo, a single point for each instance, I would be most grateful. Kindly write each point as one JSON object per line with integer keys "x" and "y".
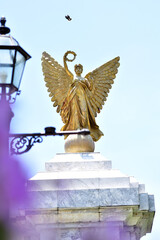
{"x": 78, "y": 69}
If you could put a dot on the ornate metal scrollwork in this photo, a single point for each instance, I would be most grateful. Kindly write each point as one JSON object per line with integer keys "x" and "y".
{"x": 20, "y": 145}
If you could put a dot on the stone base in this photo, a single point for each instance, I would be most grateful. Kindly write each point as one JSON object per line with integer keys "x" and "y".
{"x": 81, "y": 197}
{"x": 89, "y": 229}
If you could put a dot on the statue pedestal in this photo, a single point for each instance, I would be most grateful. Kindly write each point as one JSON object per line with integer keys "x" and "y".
{"x": 80, "y": 196}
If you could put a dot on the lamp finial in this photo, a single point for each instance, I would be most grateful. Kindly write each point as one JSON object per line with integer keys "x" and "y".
{"x": 3, "y": 29}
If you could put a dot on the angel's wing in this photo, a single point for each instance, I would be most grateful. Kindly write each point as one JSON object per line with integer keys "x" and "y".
{"x": 101, "y": 80}
{"x": 57, "y": 80}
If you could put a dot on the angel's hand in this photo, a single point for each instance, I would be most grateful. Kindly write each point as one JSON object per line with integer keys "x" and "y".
{"x": 67, "y": 53}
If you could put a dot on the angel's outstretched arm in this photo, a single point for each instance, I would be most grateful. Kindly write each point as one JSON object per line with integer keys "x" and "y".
{"x": 65, "y": 59}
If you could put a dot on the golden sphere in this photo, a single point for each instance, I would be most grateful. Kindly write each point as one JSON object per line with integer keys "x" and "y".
{"x": 79, "y": 143}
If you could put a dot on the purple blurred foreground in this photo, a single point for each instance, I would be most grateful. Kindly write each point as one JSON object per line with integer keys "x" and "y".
{"x": 12, "y": 177}
{"x": 110, "y": 231}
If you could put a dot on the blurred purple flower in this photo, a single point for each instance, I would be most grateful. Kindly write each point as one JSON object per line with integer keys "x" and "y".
{"x": 109, "y": 231}
{"x": 12, "y": 176}
{"x": 12, "y": 186}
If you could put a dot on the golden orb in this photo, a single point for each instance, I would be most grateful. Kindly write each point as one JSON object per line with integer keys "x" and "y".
{"x": 79, "y": 143}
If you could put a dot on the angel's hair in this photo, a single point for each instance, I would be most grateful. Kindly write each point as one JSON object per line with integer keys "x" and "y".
{"x": 78, "y": 65}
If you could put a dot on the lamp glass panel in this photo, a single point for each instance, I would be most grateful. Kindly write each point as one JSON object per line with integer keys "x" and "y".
{"x": 5, "y": 75}
{"x": 6, "y": 65}
{"x": 7, "y": 56}
{"x": 19, "y": 67}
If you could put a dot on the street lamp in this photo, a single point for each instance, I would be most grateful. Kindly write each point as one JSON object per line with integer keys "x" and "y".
{"x": 12, "y": 62}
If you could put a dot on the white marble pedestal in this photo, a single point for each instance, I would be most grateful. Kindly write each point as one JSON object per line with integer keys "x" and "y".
{"x": 80, "y": 197}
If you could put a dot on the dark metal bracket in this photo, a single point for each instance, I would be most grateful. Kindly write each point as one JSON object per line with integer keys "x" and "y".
{"x": 23, "y": 142}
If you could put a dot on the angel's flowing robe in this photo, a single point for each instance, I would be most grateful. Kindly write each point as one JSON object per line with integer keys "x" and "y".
{"x": 77, "y": 112}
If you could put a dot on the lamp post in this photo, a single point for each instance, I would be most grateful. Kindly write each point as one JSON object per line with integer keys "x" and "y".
{"x": 12, "y": 62}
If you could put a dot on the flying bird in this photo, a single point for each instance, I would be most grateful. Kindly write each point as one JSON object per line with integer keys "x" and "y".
{"x": 68, "y": 17}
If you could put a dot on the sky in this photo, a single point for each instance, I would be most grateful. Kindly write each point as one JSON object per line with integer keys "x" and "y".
{"x": 99, "y": 31}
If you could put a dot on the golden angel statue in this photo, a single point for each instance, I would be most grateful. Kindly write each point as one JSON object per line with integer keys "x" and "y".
{"x": 78, "y": 99}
